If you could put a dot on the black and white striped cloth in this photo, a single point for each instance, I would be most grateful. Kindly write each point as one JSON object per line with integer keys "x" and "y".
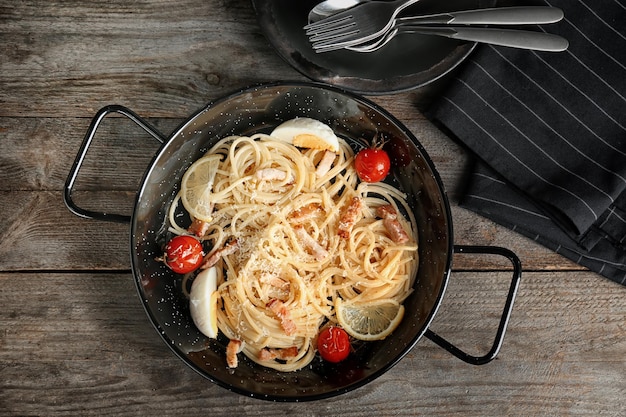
{"x": 549, "y": 130}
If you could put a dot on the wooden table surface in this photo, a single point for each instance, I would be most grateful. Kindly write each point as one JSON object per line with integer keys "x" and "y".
{"x": 74, "y": 338}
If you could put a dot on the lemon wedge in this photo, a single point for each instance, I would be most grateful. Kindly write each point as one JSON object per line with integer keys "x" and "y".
{"x": 203, "y": 302}
{"x": 305, "y": 132}
{"x": 372, "y": 320}
{"x": 197, "y": 187}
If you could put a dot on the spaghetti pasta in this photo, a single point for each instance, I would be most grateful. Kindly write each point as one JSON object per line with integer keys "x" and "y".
{"x": 278, "y": 288}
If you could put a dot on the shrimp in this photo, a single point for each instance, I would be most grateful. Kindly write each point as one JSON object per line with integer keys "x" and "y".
{"x": 350, "y": 216}
{"x": 325, "y": 164}
{"x": 271, "y": 174}
{"x": 311, "y": 244}
{"x": 393, "y": 226}
{"x": 268, "y": 354}
{"x": 198, "y": 227}
{"x": 211, "y": 259}
{"x": 280, "y": 310}
{"x": 306, "y": 213}
{"x": 232, "y": 349}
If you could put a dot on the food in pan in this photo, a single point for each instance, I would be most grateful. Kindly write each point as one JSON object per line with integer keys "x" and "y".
{"x": 300, "y": 253}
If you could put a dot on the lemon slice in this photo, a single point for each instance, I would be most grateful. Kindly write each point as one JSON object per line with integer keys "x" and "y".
{"x": 203, "y": 302}
{"x": 372, "y": 320}
{"x": 307, "y": 133}
{"x": 197, "y": 186}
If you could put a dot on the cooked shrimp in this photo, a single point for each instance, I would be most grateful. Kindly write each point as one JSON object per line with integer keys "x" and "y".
{"x": 311, "y": 244}
{"x": 212, "y": 258}
{"x": 233, "y": 348}
{"x": 280, "y": 310}
{"x": 198, "y": 227}
{"x": 306, "y": 213}
{"x": 271, "y": 174}
{"x": 274, "y": 281}
{"x": 393, "y": 226}
{"x": 325, "y": 164}
{"x": 349, "y": 217}
{"x": 268, "y": 354}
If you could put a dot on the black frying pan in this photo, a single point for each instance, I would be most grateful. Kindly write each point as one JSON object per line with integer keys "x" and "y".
{"x": 260, "y": 109}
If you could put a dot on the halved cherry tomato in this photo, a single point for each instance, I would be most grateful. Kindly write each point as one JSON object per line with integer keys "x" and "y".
{"x": 183, "y": 254}
{"x": 372, "y": 164}
{"x": 333, "y": 344}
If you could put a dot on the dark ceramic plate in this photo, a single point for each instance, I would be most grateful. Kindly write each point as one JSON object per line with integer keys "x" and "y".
{"x": 408, "y": 61}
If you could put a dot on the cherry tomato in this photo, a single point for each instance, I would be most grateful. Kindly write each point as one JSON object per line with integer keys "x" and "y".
{"x": 372, "y": 164}
{"x": 333, "y": 344}
{"x": 183, "y": 254}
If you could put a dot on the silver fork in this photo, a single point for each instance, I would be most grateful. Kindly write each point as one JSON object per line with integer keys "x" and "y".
{"x": 360, "y": 24}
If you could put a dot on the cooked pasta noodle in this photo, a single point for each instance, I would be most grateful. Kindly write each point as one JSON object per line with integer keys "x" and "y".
{"x": 285, "y": 220}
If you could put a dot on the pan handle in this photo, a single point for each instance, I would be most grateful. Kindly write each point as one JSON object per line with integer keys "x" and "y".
{"x": 508, "y": 307}
{"x": 80, "y": 157}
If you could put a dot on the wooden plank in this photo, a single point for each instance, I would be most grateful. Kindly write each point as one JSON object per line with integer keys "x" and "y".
{"x": 39, "y": 152}
{"x": 80, "y": 343}
{"x": 39, "y": 233}
{"x": 147, "y": 55}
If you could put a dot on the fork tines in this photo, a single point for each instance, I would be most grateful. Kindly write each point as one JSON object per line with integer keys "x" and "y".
{"x": 331, "y": 30}
{"x": 328, "y": 22}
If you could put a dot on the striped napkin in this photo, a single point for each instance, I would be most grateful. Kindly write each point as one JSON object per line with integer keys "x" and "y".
{"x": 549, "y": 131}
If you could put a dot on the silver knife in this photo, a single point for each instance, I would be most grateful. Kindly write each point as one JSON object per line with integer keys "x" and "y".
{"x": 524, "y": 39}
{"x": 521, "y": 15}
